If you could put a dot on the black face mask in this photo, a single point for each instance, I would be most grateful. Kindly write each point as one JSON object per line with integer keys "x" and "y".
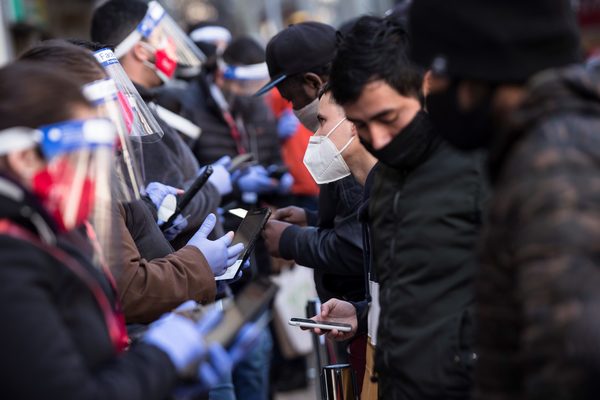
{"x": 410, "y": 146}
{"x": 465, "y": 130}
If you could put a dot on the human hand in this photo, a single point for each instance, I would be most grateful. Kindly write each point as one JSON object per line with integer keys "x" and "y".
{"x": 285, "y": 183}
{"x": 220, "y": 178}
{"x": 179, "y": 224}
{"x": 157, "y": 192}
{"x": 254, "y": 178}
{"x": 272, "y": 235}
{"x": 218, "y": 253}
{"x": 340, "y": 311}
{"x": 293, "y": 215}
{"x": 287, "y": 125}
{"x": 179, "y": 338}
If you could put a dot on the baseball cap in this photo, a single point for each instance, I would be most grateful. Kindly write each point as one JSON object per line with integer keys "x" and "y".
{"x": 298, "y": 48}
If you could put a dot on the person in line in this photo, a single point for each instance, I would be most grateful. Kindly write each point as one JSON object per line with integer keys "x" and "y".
{"x": 144, "y": 264}
{"x": 63, "y": 336}
{"x": 517, "y": 89}
{"x": 112, "y": 23}
{"x": 425, "y": 214}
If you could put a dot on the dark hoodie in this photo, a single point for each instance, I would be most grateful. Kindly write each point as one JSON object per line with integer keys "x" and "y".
{"x": 538, "y": 293}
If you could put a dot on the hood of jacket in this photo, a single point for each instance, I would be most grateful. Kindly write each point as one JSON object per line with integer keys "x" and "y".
{"x": 570, "y": 90}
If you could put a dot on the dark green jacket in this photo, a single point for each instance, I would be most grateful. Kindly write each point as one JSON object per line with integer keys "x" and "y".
{"x": 425, "y": 212}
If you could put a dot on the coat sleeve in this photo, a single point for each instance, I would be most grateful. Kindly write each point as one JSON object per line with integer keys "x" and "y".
{"x": 149, "y": 288}
{"x": 40, "y": 359}
{"x": 325, "y": 249}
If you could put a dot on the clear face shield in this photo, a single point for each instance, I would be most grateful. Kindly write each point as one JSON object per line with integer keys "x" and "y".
{"x": 75, "y": 186}
{"x": 128, "y": 147}
{"x": 172, "y": 47}
{"x": 136, "y": 114}
{"x": 244, "y": 80}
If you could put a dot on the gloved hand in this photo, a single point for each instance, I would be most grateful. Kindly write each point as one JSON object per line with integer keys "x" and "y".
{"x": 157, "y": 192}
{"x": 179, "y": 225}
{"x": 287, "y": 125}
{"x": 285, "y": 183}
{"x": 218, "y": 253}
{"x": 223, "y": 285}
{"x": 179, "y": 338}
{"x": 254, "y": 179}
{"x": 220, "y": 178}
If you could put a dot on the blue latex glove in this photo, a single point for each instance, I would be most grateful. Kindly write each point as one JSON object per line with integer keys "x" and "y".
{"x": 157, "y": 192}
{"x": 245, "y": 341}
{"x": 179, "y": 225}
{"x": 254, "y": 179}
{"x": 285, "y": 183}
{"x": 287, "y": 125}
{"x": 179, "y": 338}
{"x": 219, "y": 253}
{"x": 220, "y": 178}
{"x": 223, "y": 285}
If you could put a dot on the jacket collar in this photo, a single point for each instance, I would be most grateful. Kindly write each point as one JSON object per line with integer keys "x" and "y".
{"x": 22, "y": 207}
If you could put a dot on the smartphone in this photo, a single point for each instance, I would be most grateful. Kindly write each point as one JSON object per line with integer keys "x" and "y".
{"x": 247, "y": 234}
{"x": 250, "y": 305}
{"x": 324, "y": 325}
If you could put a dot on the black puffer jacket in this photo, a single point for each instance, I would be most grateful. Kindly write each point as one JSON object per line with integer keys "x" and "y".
{"x": 425, "y": 212}
{"x": 538, "y": 296}
{"x": 54, "y": 340}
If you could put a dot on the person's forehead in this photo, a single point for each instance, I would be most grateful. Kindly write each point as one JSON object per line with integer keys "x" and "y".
{"x": 328, "y": 107}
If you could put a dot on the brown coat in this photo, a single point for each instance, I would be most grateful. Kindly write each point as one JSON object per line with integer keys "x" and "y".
{"x": 150, "y": 288}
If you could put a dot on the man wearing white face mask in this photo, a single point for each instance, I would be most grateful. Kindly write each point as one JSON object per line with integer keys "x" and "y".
{"x": 332, "y": 242}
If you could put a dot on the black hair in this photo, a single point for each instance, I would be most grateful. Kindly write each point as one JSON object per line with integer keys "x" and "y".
{"x": 374, "y": 49}
{"x": 115, "y": 20}
{"x": 244, "y": 51}
{"x": 89, "y": 45}
{"x": 36, "y": 94}
{"x": 78, "y": 62}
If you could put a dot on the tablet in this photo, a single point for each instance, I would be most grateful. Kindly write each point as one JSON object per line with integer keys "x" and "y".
{"x": 247, "y": 234}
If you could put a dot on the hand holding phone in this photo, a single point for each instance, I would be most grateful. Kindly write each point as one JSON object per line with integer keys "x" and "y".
{"x": 247, "y": 234}
{"x": 335, "y": 312}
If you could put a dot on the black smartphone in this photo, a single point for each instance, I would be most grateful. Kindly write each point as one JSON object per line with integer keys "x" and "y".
{"x": 247, "y": 234}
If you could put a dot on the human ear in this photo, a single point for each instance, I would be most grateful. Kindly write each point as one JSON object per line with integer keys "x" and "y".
{"x": 312, "y": 83}
{"x": 140, "y": 52}
{"x": 24, "y": 164}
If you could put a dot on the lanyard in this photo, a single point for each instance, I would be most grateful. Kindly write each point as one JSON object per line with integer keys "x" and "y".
{"x": 114, "y": 319}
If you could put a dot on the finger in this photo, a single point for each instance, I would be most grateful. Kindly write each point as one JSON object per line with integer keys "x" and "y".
{"x": 220, "y": 360}
{"x": 231, "y": 261}
{"x": 186, "y": 306}
{"x": 208, "y": 225}
{"x": 282, "y": 213}
{"x": 235, "y": 250}
{"x": 226, "y": 239}
{"x": 325, "y": 310}
{"x": 207, "y": 375}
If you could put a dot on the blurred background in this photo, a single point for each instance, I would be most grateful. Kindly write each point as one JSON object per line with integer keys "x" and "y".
{"x": 27, "y": 21}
